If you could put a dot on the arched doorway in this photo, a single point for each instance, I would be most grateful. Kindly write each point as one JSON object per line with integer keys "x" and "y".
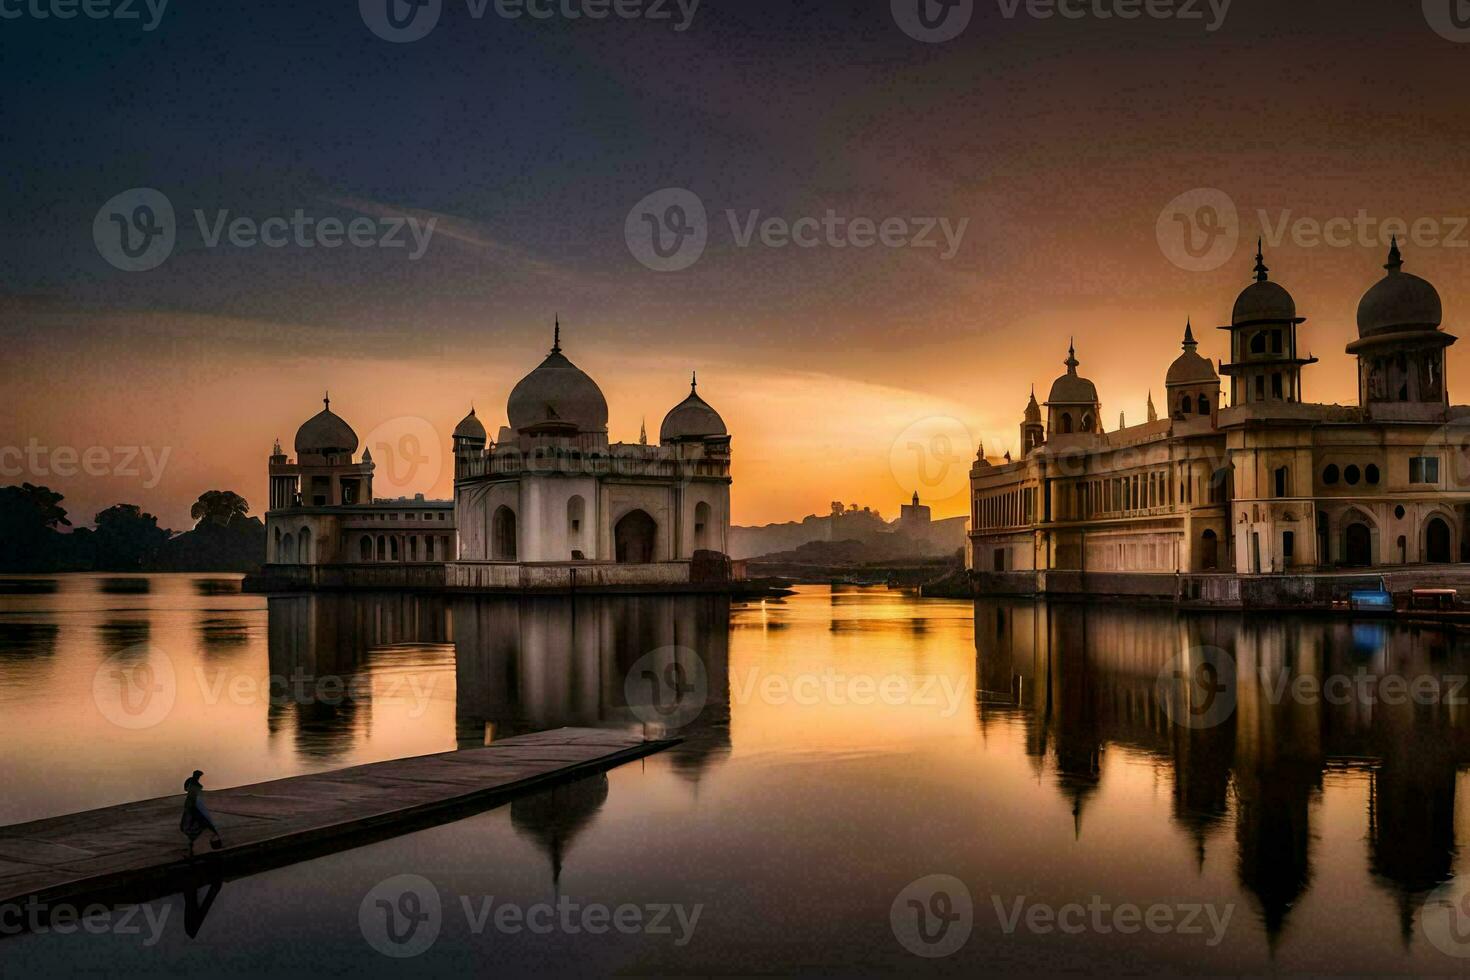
{"x": 304, "y": 545}
{"x": 365, "y": 549}
{"x": 503, "y": 535}
{"x": 701, "y": 526}
{"x": 1210, "y": 551}
{"x": 633, "y": 538}
{"x": 1437, "y": 542}
{"x": 1357, "y": 545}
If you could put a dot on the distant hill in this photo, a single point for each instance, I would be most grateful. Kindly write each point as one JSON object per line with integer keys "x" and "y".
{"x": 860, "y": 534}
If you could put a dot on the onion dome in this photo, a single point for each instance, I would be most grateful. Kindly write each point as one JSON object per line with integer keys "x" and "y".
{"x": 1033, "y": 410}
{"x": 559, "y": 393}
{"x": 1189, "y": 367}
{"x": 325, "y": 433}
{"x": 692, "y": 418}
{"x": 1263, "y": 301}
{"x": 1070, "y": 388}
{"x": 1399, "y": 302}
{"x": 470, "y": 427}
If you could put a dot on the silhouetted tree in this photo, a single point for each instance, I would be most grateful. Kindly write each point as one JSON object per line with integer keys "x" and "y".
{"x": 127, "y": 538}
{"x": 220, "y": 507}
{"x": 29, "y": 517}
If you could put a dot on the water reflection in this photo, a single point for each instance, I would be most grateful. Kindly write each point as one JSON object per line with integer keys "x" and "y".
{"x": 1081, "y": 679}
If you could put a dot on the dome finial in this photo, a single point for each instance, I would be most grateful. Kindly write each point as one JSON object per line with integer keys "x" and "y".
{"x": 693, "y": 382}
{"x": 1071, "y": 360}
{"x": 1189, "y": 342}
{"x": 1395, "y": 257}
{"x": 327, "y": 400}
{"x": 556, "y": 336}
{"x": 1262, "y": 273}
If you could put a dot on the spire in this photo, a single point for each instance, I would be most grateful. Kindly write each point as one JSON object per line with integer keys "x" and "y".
{"x": 1071, "y": 360}
{"x": 916, "y": 498}
{"x": 643, "y": 432}
{"x": 1122, "y": 422}
{"x": 1395, "y": 258}
{"x": 1153, "y": 413}
{"x": 556, "y": 336}
{"x": 277, "y": 450}
{"x": 1189, "y": 342}
{"x": 1262, "y": 273}
{"x": 693, "y": 382}
{"x": 327, "y": 400}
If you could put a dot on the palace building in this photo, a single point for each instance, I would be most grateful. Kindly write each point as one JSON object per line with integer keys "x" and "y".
{"x": 550, "y": 503}
{"x": 1271, "y": 485}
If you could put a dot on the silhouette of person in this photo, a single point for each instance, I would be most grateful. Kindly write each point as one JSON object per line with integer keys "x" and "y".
{"x": 197, "y": 819}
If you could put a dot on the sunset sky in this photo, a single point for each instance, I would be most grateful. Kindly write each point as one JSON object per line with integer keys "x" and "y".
{"x": 528, "y": 142}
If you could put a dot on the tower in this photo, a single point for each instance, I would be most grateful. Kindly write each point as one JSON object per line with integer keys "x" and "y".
{"x": 1401, "y": 348}
{"x": 1191, "y": 388}
{"x": 1265, "y": 364}
{"x": 1073, "y": 406}
{"x": 1033, "y": 432}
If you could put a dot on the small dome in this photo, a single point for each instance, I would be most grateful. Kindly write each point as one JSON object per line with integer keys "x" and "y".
{"x": 325, "y": 432}
{"x": 1189, "y": 367}
{"x": 692, "y": 418}
{"x": 1263, "y": 301}
{"x": 1070, "y": 388}
{"x": 557, "y": 391}
{"x": 1399, "y": 302}
{"x": 1033, "y": 410}
{"x": 470, "y": 427}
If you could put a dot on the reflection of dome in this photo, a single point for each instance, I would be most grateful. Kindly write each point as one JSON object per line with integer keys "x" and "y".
{"x": 558, "y": 391}
{"x": 1070, "y": 389}
{"x": 1263, "y": 301}
{"x": 553, "y": 819}
{"x": 325, "y": 432}
{"x": 1190, "y": 367}
{"x": 692, "y": 418}
{"x": 1399, "y": 302}
{"x": 470, "y": 427}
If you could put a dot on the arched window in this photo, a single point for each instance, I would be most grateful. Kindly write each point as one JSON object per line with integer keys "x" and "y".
{"x": 393, "y": 548}
{"x": 1066, "y": 422}
{"x": 288, "y": 550}
{"x": 278, "y": 545}
{"x": 576, "y": 515}
{"x": 1184, "y": 405}
{"x": 382, "y": 548}
{"x": 503, "y": 535}
{"x": 1209, "y": 551}
{"x": 1258, "y": 343}
{"x": 701, "y": 526}
{"x": 1204, "y": 405}
{"x": 365, "y": 548}
{"x": 1087, "y": 423}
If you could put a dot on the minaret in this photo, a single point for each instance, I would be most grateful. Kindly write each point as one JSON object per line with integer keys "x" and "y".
{"x": 1153, "y": 413}
{"x": 1265, "y": 365}
{"x": 1033, "y": 432}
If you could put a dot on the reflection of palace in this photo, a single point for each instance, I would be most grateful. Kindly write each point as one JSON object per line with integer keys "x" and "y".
{"x": 1084, "y": 678}
{"x": 1270, "y": 484}
{"x": 549, "y": 503}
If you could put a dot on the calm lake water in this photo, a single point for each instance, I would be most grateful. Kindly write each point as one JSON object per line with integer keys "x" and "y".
{"x": 1262, "y": 793}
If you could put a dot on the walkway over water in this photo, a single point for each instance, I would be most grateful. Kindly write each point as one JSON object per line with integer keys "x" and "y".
{"x": 137, "y": 848}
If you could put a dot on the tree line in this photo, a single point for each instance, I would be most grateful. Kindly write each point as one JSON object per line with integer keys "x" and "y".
{"x": 125, "y": 537}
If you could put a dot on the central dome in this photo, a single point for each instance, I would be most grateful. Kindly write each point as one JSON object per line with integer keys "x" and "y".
{"x": 325, "y": 432}
{"x": 1071, "y": 388}
{"x": 1399, "y": 302}
{"x": 557, "y": 391}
